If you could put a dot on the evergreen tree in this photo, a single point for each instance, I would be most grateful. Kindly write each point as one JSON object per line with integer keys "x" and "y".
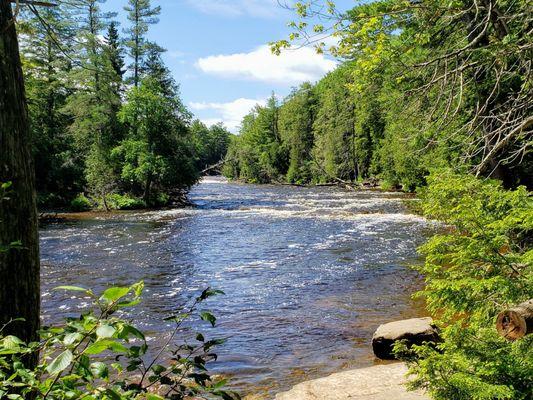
{"x": 95, "y": 125}
{"x": 296, "y": 118}
{"x": 47, "y": 44}
{"x": 334, "y": 128}
{"x": 141, "y": 15}
{"x": 114, "y": 49}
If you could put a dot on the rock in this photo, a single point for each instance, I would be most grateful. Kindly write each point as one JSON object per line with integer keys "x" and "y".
{"x": 414, "y": 331}
{"x": 381, "y": 382}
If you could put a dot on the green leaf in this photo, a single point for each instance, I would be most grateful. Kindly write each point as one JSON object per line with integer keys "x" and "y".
{"x": 105, "y": 344}
{"x": 207, "y": 316}
{"x": 105, "y": 331}
{"x": 99, "y": 370}
{"x": 11, "y": 342}
{"x": 158, "y": 369}
{"x": 60, "y": 363}
{"x": 72, "y": 338}
{"x": 74, "y": 289}
{"x": 209, "y": 293}
{"x": 128, "y": 330}
{"x": 113, "y": 395}
{"x": 113, "y": 294}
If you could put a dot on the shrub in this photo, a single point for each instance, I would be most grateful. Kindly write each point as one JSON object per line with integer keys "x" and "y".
{"x": 81, "y": 203}
{"x": 100, "y": 356}
{"x": 161, "y": 199}
{"x": 124, "y": 202}
{"x": 480, "y": 265}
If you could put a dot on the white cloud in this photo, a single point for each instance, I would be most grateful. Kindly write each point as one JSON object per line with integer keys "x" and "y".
{"x": 291, "y": 67}
{"x": 236, "y": 8}
{"x": 230, "y": 114}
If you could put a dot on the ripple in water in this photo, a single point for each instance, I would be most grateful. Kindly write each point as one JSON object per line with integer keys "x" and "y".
{"x": 308, "y": 273}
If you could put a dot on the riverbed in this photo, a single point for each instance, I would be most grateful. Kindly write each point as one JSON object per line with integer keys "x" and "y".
{"x": 309, "y": 273}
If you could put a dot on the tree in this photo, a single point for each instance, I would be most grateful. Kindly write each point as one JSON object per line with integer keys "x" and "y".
{"x": 156, "y": 151}
{"x": 114, "y": 49}
{"x": 95, "y": 127}
{"x": 334, "y": 128}
{"x": 296, "y": 118}
{"x": 141, "y": 15}
{"x": 47, "y": 44}
{"x": 466, "y": 62}
{"x": 211, "y": 144}
{"x": 19, "y": 265}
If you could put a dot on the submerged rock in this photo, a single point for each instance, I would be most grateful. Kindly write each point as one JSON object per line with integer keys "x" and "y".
{"x": 381, "y": 382}
{"x": 413, "y": 331}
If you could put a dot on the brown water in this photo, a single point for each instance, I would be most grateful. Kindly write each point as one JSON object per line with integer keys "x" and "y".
{"x": 309, "y": 273}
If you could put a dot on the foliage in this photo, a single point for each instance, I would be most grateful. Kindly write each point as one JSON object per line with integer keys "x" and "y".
{"x": 74, "y": 67}
{"x": 156, "y": 151}
{"x": 481, "y": 264}
{"x": 99, "y": 355}
{"x": 118, "y": 201}
{"x": 81, "y": 203}
{"x": 141, "y": 15}
{"x": 211, "y": 144}
{"x": 437, "y": 61}
{"x": 258, "y": 156}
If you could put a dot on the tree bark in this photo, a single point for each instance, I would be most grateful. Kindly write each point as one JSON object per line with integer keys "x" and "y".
{"x": 19, "y": 267}
{"x": 147, "y": 189}
{"x": 516, "y": 322}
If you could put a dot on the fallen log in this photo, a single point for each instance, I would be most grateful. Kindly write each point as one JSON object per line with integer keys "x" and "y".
{"x": 516, "y": 322}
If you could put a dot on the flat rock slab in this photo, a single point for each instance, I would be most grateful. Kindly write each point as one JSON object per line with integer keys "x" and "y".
{"x": 413, "y": 331}
{"x": 381, "y": 382}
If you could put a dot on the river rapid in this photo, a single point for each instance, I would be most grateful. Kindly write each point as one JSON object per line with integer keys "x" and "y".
{"x": 309, "y": 273}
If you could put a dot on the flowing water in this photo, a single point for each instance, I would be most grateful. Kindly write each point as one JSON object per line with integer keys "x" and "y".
{"x": 309, "y": 273}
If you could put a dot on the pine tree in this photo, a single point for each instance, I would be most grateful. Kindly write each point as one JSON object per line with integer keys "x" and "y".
{"x": 141, "y": 15}
{"x": 47, "y": 44}
{"x": 95, "y": 126}
{"x": 114, "y": 49}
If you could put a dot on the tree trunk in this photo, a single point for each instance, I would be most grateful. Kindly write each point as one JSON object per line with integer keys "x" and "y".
{"x": 516, "y": 322}
{"x": 147, "y": 189}
{"x": 19, "y": 267}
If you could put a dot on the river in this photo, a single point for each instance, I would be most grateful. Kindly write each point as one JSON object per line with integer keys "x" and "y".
{"x": 309, "y": 273}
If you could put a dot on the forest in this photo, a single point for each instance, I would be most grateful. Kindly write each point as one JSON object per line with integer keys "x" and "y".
{"x": 428, "y": 97}
{"x": 404, "y": 101}
{"x": 107, "y": 133}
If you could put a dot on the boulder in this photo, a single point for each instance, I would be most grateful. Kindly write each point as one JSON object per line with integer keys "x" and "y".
{"x": 381, "y": 382}
{"x": 413, "y": 331}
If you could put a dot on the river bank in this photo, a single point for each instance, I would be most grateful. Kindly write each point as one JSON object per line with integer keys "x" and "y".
{"x": 380, "y": 382}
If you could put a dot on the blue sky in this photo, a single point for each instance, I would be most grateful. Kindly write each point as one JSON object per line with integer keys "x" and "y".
{"x": 216, "y": 50}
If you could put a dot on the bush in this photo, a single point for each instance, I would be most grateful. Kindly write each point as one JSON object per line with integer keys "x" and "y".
{"x": 161, "y": 199}
{"x": 480, "y": 265}
{"x": 124, "y": 202}
{"x": 100, "y": 356}
{"x": 81, "y": 203}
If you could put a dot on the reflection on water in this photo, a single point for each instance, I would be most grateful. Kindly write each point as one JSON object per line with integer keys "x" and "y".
{"x": 308, "y": 273}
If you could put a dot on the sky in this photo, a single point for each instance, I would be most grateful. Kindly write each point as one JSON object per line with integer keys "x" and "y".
{"x": 218, "y": 52}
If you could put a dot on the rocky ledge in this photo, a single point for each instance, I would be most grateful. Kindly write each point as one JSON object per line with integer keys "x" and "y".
{"x": 381, "y": 382}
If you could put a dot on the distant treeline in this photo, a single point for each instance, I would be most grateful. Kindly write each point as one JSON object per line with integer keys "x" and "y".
{"x": 105, "y": 133}
{"x": 412, "y": 94}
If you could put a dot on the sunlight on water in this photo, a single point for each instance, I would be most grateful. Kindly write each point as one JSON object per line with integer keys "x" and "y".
{"x": 309, "y": 273}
